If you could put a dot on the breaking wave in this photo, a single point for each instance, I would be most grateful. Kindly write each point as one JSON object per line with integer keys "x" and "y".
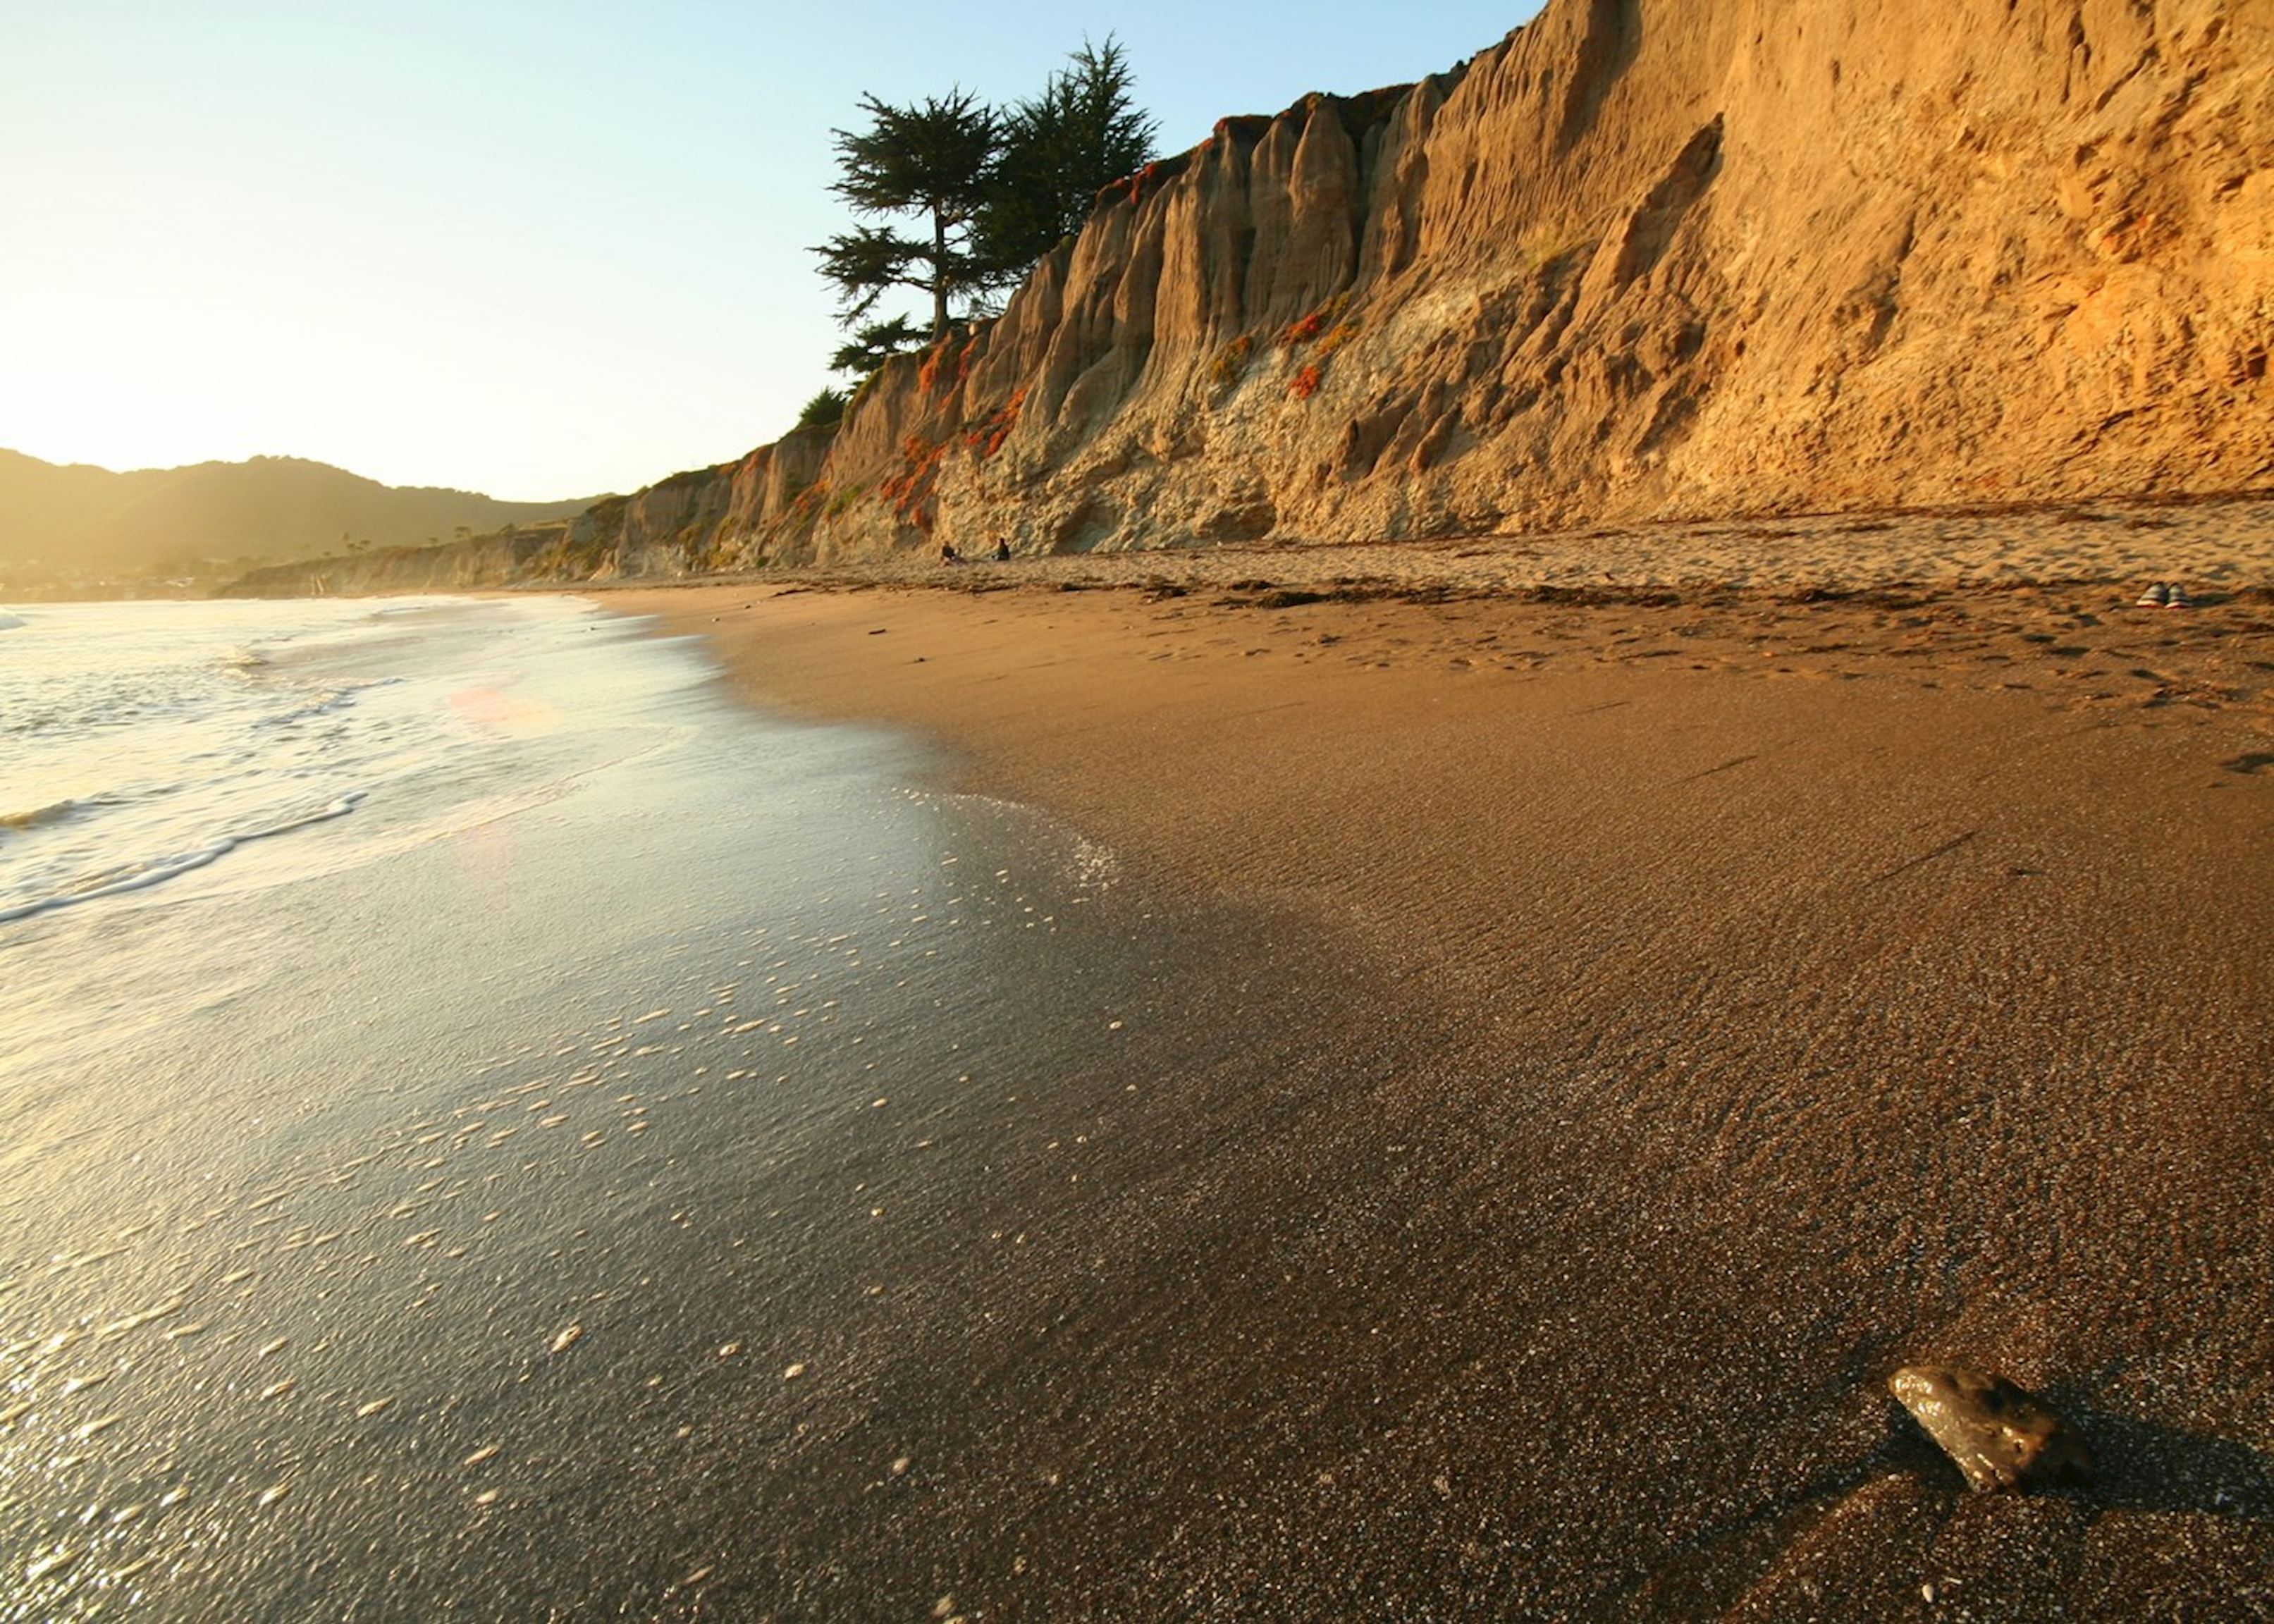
{"x": 134, "y": 877}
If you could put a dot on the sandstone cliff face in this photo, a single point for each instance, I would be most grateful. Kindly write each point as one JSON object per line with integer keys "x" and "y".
{"x": 1644, "y": 259}
{"x": 1650, "y": 258}
{"x": 694, "y": 521}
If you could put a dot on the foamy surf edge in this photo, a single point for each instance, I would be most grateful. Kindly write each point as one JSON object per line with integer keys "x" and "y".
{"x": 186, "y": 863}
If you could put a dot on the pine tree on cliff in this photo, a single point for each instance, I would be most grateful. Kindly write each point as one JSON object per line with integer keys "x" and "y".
{"x": 1058, "y": 149}
{"x": 930, "y": 158}
{"x": 999, "y": 190}
{"x": 875, "y": 343}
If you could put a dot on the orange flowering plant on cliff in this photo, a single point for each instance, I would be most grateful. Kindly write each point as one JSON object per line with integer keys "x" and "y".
{"x": 988, "y": 438}
{"x": 1230, "y": 362}
{"x": 911, "y": 488}
{"x": 1309, "y": 326}
{"x": 1134, "y": 185}
{"x": 1306, "y": 383}
{"x": 928, "y": 369}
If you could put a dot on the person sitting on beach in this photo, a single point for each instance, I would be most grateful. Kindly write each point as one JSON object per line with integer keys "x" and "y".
{"x": 948, "y": 555}
{"x": 1001, "y": 550}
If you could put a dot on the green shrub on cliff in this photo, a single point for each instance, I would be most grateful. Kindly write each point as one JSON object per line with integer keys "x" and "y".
{"x": 825, "y": 410}
{"x": 873, "y": 345}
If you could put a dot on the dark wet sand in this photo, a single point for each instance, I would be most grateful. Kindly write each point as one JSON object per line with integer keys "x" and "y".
{"x": 673, "y": 1200}
{"x": 1769, "y": 992}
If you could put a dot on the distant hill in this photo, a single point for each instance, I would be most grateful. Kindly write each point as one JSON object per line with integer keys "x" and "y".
{"x": 90, "y": 520}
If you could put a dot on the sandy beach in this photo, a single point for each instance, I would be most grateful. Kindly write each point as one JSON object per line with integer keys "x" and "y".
{"x": 1375, "y": 814}
{"x": 1794, "y": 972}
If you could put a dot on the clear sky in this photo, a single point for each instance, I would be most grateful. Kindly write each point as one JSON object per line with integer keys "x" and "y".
{"x": 536, "y": 249}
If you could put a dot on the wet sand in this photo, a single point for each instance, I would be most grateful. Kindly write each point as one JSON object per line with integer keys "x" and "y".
{"x": 1770, "y": 987}
{"x": 631, "y": 1179}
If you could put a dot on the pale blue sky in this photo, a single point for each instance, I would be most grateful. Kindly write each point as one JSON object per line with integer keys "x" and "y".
{"x": 536, "y": 249}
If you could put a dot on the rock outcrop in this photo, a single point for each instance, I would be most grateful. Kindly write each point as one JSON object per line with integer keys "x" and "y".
{"x": 1643, "y": 260}
{"x": 1996, "y": 1435}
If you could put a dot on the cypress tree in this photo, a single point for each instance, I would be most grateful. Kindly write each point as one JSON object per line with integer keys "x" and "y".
{"x": 1056, "y": 150}
{"x": 932, "y": 160}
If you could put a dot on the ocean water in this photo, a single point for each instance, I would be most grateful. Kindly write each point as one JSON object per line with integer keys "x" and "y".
{"x": 371, "y": 975}
{"x": 143, "y": 742}
{"x": 494, "y": 1129}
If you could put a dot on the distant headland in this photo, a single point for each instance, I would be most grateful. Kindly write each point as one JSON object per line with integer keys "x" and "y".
{"x": 75, "y": 530}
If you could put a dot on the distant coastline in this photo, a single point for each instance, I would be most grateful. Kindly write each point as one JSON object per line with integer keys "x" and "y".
{"x": 75, "y": 530}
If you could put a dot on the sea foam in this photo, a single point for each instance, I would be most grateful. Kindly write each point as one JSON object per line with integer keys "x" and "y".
{"x": 139, "y": 742}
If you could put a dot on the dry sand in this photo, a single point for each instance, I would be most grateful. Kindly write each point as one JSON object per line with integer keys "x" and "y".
{"x": 1842, "y": 973}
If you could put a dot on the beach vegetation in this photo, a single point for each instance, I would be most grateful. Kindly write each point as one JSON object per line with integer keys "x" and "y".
{"x": 946, "y": 364}
{"x": 1230, "y": 363}
{"x": 861, "y": 389}
{"x": 1325, "y": 329}
{"x": 1134, "y": 186}
{"x": 825, "y": 410}
{"x": 989, "y": 437}
{"x": 1309, "y": 326}
{"x": 909, "y": 492}
{"x": 1540, "y": 246}
{"x": 1059, "y": 149}
{"x": 956, "y": 201}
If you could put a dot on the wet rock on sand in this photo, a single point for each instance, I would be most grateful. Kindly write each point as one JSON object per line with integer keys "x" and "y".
{"x": 1998, "y": 1435}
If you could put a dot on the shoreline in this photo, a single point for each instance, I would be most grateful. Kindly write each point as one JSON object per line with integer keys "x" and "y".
{"x": 1902, "y": 954}
{"x": 2217, "y": 543}
{"x": 2188, "y": 692}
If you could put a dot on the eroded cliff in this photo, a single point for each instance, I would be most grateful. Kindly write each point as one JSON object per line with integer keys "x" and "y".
{"x": 1644, "y": 259}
